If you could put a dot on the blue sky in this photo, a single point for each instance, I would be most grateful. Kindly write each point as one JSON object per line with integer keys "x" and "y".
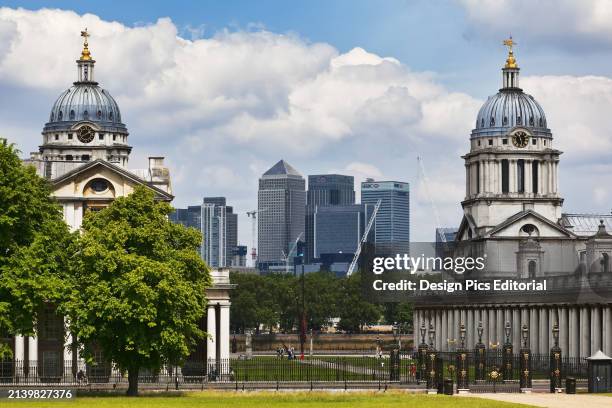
{"x": 433, "y": 35}
{"x": 225, "y": 89}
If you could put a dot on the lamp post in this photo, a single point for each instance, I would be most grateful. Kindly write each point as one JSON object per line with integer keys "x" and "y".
{"x": 462, "y": 363}
{"x": 525, "y": 356}
{"x": 555, "y": 362}
{"x": 479, "y": 356}
{"x": 432, "y": 363}
{"x": 422, "y": 354}
{"x": 508, "y": 353}
{"x": 394, "y": 355}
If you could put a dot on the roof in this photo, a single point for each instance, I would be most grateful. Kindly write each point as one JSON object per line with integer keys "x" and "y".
{"x": 282, "y": 168}
{"x": 586, "y": 225}
{"x": 599, "y": 356}
{"x": 129, "y": 175}
{"x": 514, "y": 218}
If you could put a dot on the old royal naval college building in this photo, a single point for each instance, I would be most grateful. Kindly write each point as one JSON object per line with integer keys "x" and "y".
{"x": 513, "y": 217}
{"x": 85, "y": 155}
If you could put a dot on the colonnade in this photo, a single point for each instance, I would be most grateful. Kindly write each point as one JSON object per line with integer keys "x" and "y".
{"x": 485, "y": 176}
{"x": 583, "y": 329}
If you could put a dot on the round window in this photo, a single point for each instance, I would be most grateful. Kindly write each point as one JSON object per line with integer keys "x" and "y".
{"x": 99, "y": 185}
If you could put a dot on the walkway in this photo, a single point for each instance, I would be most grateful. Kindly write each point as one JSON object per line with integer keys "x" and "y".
{"x": 551, "y": 400}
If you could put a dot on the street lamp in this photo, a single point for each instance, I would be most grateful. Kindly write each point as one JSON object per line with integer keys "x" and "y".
{"x": 462, "y": 335}
{"x": 555, "y": 332}
{"x": 423, "y": 332}
{"x": 525, "y": 333}
{"x": 432, "y": 334}
{"x": 508, "y": 329}
{"x": 480, "y": 331}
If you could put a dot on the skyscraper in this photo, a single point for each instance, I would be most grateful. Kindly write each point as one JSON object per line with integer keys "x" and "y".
{"x": 325, "y": 190}
{"x": 281, "y": 205}
{"x": 392, "y": 229}
{"x": 219, "y": 228}
{"x": 339, "y": 228}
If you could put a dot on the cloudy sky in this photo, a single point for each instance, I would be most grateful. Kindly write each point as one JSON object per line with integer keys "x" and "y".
{"x": 225, "y": 89}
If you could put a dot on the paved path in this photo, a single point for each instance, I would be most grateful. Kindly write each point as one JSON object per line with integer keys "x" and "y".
{"x": 551, "y": 400}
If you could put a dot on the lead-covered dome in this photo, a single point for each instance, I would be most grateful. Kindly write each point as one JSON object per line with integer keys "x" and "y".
{"x": 86, "y": 101}
{"x": 510, "y": 107}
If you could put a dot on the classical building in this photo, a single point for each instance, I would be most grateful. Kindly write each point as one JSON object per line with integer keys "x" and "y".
{"x": 513, "y": 217}
{"x": 85, "y": 155}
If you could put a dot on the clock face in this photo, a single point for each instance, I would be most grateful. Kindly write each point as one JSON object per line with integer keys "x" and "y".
{"x": 86, "y": 134}
{"x": 520, "y": 139}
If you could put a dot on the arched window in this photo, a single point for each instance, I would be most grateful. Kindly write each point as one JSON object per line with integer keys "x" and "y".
{"x": 605, "y": 262}
{"x": 492, "y": 123}
{"x": 71, "y": 115}
{"x": 110, "y": 115}
{"x": 529, "y": 230}
{"x": 85, "y": 115}
{"x": 99, "y": 114}
{"x": 531, "y": 121}
{"x": 505, "y": 167}
{"x": 532, "y": 266}
{"x": 520, "y": 175}
{"x": 59, "y": 116}
{"x": 505, "y": 120}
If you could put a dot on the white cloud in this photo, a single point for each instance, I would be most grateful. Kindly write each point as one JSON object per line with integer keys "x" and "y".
{"x": 576, "y": 25}
{"x": 224, "y": 109}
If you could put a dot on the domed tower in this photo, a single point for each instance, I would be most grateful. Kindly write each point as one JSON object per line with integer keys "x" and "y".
{"x": 84, "y": 124}
{"x": 512, "y": 165}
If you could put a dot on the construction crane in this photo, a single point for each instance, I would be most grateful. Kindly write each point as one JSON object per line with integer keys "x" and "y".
{"x": 421, "y": 175}
{"x": 363, "y": 239}
{"x": 288, "y": 256}
{"x": 253, "y": 216}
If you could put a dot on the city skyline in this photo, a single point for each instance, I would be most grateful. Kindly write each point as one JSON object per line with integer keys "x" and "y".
{"x": 376, "y": 132}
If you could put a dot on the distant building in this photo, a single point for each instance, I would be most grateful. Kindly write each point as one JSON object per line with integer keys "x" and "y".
{"x": 446, "y": 234}
{"x": 392, "y": 229}
{"x": 325, "y": 190}
{"x": 338, "y": 229}
{"x": 281, "y": 205}
{"x": 219, "y": 227}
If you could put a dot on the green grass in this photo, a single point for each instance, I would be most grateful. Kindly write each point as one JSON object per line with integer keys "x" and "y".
{"x": 271, "y": 400}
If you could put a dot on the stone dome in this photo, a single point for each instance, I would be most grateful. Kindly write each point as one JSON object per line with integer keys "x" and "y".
{"x": 85, "y": 102}
{"x": 507, "y": 109}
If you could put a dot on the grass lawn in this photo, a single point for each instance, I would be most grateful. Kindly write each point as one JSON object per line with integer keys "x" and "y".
{"x": 271, "y": 400}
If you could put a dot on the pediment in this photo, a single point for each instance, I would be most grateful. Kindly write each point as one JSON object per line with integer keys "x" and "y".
{"x": 77, "y": 184}
{"x": 513, "y": 227}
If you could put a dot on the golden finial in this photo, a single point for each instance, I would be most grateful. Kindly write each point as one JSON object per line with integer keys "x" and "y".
{"x": 85, "y": 54}
{"x": 510, "y": 61}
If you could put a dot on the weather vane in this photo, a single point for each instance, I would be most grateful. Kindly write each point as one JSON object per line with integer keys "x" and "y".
{"x": 85, "y": 54}
{"x": 510, "y": 61}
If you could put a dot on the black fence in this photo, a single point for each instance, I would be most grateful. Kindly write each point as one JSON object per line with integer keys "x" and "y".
{"x": 489, "y": 371}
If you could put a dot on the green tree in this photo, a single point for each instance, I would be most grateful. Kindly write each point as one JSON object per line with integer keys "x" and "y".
{"x": 139, "y": 286}
{"x": 33, "y": 246}
{"x": 355, "y": 311}
{"x": 321, "y": 298}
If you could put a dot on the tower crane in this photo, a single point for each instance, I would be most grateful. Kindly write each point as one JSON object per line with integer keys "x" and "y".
{"x": 421, "y": 175}
{"x": 363, "y": 239}
{"x": 288, "y": 256}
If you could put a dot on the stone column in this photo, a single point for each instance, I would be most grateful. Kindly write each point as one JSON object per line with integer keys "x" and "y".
{"x": 440, "y": 328}
{"x": 527, "y": 175}
{"x": 471, "y": 328}
{"x": 19, "y": 355}
{"x": 595, "y": 329}
{"x": 512, "y": 175}
{"x": 500, "y": 321}
{"x": 485, "y": 326}
{"x": 481, "y": 177}
{"x": 607, "y": 330}
{"x": 456, "y": 323}
{"x": 533, "y": 330}
{"x": 585, "y": 331}
{"x": 492, "y": 331}
{"x": 225, "y": 333}
{"x": 444, "y": 332}
{"x": 211, "y": 329}
{"x": 574, "y": 333}
{"x": 33, "y": 354}
{"x": 467, "y": 180}
{"x": 516, "y": 328}
{"x": 544, "y": 328}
